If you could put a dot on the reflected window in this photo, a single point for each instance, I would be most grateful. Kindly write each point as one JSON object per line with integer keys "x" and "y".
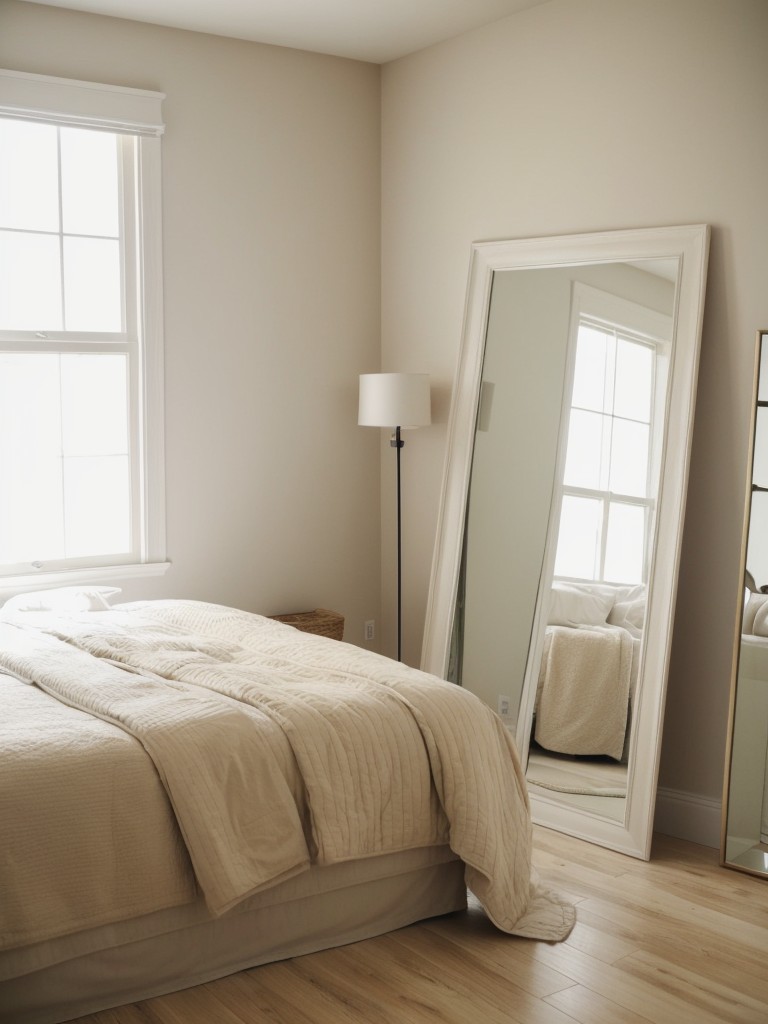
{"x": 607, "y": 490}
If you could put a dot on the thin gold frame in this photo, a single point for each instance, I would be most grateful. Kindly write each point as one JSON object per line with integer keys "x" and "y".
{"x": 762, "y": 335}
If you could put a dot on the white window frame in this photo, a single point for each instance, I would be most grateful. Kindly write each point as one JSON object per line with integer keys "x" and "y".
{"x": 595, "y": 308}
{"x": 134, "y": 112}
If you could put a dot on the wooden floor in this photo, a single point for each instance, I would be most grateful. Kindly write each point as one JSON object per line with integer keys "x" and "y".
{"x": 677, "y": 940}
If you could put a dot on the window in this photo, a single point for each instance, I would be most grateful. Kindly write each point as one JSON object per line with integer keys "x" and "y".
{"x": 81, "y": 435}
{"x": 611, "y": 465}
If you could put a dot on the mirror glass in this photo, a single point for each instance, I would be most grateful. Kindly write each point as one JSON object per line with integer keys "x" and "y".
{"x": 553, "y": 589}
{"x": 745, "y": 803}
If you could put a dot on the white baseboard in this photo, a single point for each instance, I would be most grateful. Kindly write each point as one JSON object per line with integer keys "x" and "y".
{"x": 688, "y": 816}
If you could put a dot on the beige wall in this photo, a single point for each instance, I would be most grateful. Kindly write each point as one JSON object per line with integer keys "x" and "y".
{"x": 271, "y": 255}
{"x": 583, "y": 115}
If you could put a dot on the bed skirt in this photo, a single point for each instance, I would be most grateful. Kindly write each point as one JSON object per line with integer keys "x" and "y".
{"x": 325, "y": 907}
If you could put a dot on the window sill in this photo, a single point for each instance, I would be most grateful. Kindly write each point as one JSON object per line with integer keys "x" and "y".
{"x": 73, "y": 577}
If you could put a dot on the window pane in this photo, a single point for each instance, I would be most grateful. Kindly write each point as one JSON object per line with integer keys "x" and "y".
{"x": 94, "y": 404}
{"x": 629, "y": 458}
{"x": 29, "y": 176}
{"x": 578, "y": 543}
{"x": 96, "y": 506}
{"x": 31, "y": 523}
{"x": 89, "y": 182}
{"x": 625, "y": 543}
{"x": 589, "y": 389}
{"x": 587, "y": 443}
{"x": 50, "y": 403}
{"x": 92, "y": 285}
{"x": 30, "y": 282}
{"x": 634, "y": 380}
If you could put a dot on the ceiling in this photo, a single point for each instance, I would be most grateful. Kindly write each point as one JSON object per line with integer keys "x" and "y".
{"x": 369, "y": 30}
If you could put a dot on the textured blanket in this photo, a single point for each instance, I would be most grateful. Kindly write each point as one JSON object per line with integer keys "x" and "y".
{"x": 584, "y": 697}
{"x": 232, "y": 708}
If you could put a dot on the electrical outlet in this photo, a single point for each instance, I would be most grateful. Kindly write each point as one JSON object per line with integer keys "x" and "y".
{"x": 370, "y": 629}
{"x": 503, "y": 705}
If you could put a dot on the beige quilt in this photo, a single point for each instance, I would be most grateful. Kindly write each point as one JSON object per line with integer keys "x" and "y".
{"x": 583, "y": 701}
{"x": 274, "y": 749}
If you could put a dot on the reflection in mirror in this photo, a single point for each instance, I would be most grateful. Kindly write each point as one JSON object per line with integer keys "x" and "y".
{"x": 745, "y": 799}
{"x": 556, "y": 559}
{"x": 604, "y": 513}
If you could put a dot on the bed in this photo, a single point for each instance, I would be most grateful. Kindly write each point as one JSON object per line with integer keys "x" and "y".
{"x": 190, "y": 789}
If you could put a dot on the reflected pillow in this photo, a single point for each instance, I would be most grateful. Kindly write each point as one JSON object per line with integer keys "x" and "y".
{"x": 574, "y": 604}
{"x": 755, "y": 604}
{"x": 760, "y": 623}
{"x": 629, "y": 608}
{"x": 63, "y": 599}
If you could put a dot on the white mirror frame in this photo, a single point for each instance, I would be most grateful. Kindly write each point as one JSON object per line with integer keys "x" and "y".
{"x": 690, "y": 245}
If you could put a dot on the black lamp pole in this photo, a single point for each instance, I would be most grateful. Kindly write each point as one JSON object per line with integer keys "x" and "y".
{"x": 397, "y": 444}
{"x": 387, "y": 399}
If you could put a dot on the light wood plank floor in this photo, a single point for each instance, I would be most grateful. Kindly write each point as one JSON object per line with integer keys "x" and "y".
{"x": 677, "y": 940}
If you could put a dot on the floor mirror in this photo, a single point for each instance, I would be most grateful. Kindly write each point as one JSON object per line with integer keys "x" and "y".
{"x": 555, "y": 568}
{"x": 745, "y": 798}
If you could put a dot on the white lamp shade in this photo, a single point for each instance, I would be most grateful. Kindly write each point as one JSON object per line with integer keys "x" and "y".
{"x": 394, "y": 400}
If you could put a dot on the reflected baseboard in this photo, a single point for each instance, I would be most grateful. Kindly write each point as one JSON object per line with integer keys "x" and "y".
{"x": 688, "y": 816}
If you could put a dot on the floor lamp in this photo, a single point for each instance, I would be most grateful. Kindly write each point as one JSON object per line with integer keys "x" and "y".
{"x": 400, "y": 401}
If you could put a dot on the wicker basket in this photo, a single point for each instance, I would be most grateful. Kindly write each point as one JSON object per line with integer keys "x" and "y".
{"x": 321, "y": 621}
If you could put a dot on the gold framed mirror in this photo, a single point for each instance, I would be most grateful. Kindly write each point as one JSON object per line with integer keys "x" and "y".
{"x": 744, "y": 842}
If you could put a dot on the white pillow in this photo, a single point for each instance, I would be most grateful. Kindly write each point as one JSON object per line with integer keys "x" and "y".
{"x": 63, "y": 599}
{"x": 753, "y": 606}
{"x": 629, "y": 608}
{"x": 574, "y": 604}
{"x": 760, "y": 624}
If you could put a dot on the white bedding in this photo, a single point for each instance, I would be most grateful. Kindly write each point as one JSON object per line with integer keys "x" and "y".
{"x": 355, "y": 756}
{"x": 584, "y": 690}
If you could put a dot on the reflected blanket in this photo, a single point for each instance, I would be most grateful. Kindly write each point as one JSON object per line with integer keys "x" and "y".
{"x": 584, "y": 690}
